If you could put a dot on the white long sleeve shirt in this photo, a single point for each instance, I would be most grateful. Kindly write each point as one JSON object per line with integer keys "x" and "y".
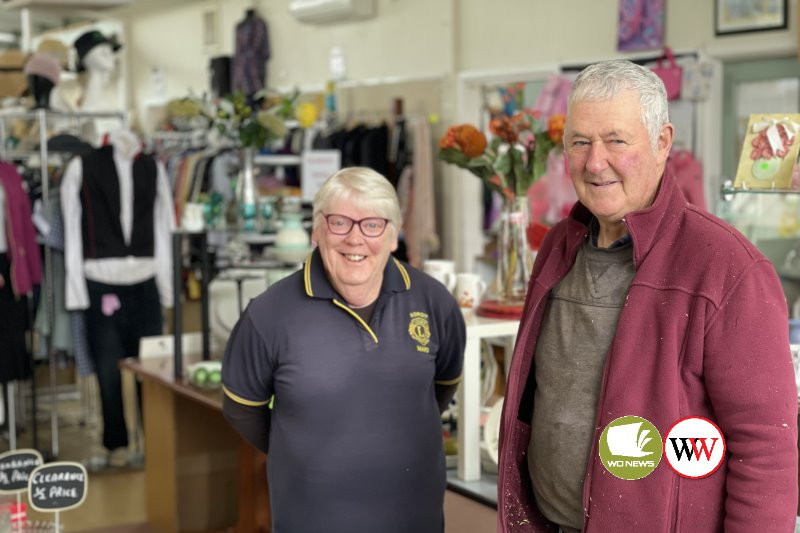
{"x": 116, "y": 270}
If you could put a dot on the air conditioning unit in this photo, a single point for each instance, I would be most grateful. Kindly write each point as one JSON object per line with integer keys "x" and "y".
{"x": 326, "y": 11}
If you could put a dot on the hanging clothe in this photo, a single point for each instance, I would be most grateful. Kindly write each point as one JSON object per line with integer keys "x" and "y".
{"x": 121, "y": 155}
{"x": 415, "y": 188}
{"x": 69, "y": 327}
{"x": 23, "y": 252}
{"x": 251, "y": 55}
{"x": 688, "y": 172}
{"x": 15, "y": 361}
{"x": 118, "y": 219}
{"x": 20, "y": 269}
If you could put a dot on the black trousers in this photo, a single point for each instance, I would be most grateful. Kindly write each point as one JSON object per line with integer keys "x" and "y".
{"x": 15, "y": 360}
{"x": 118, "y": 316}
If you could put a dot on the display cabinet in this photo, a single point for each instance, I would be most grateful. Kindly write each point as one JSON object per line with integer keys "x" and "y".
{"x": 770, "y": 219}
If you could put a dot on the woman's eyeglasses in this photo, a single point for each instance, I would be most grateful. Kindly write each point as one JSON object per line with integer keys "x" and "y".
{"x": 370, "y": 227}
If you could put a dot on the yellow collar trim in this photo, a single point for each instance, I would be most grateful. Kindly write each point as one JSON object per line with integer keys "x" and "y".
{"x": 307, "y": 276}
{"x": 369, "y": 330}
{"x": 403, "y": 272}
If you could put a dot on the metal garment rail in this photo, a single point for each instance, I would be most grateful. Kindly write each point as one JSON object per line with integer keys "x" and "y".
{"x": 177, "y": 307}
{"x": 42, "y": 116}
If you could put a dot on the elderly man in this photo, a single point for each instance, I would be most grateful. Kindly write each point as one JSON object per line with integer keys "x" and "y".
{"x": 642, "y": 305}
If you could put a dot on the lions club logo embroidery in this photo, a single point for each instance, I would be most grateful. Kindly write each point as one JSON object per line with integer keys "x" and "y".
{"x": 419, "y": 330}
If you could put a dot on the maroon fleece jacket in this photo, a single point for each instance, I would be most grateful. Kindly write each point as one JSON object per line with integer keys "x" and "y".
{"x": 704, "y": 333}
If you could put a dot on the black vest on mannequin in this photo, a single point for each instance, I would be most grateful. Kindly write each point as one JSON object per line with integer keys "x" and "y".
{"x": 100, "y": 201}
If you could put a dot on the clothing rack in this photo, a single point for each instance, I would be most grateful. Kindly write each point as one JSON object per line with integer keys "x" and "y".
{"x": 41, "y": 116}
{"x": 638, "y": 60}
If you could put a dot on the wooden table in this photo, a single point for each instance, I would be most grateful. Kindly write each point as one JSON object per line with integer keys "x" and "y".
{"x": 200, "y": 475}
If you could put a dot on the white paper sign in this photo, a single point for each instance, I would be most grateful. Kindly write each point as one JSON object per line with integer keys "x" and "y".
{"x": 317, "y": 166}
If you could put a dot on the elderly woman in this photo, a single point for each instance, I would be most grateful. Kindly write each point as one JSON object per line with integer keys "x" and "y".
{"x": 361, "y": 352}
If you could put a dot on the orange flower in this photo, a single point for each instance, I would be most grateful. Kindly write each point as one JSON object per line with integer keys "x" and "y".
{"x": 471, "y": 141}
{"x": 555, "y": 128}
{"x": 503, "y": 128}
{"x": 448, "y": 140}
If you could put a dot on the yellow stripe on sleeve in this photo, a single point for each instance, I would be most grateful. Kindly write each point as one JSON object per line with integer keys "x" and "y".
{"x": 239, "y": 399}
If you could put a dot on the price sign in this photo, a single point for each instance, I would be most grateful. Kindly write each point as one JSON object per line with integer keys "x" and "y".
{"x": 57, "y": 486}
{"x": 15, "y": 469}
{"x": 317, "y": 166}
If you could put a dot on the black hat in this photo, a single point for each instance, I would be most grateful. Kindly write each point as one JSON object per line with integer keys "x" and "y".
{"x": 88, "y": 41}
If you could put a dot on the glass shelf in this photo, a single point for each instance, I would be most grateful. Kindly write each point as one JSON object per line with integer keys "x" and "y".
{"x": 727, "y": 191}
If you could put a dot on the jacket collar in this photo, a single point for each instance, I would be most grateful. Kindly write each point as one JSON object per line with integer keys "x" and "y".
{"x": 644, "y": 225}
{"x": 315, "y": 281}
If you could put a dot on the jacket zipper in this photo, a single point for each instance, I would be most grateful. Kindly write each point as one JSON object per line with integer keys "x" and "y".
{"x": 524, "y": 335}
{"x": 502, "y": 475}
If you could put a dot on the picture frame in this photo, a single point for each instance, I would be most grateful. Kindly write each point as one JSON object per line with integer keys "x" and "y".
{"x": 745, "y": 16}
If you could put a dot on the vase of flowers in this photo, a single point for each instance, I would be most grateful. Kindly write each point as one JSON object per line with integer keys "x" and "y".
{"x": 251, "y": 130}
{"x": 514, "y": 159}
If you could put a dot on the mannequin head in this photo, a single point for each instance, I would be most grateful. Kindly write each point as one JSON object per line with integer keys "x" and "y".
{"x": 95, "y": 52}
{"x": 40, "y": 88}
{"x": 43, "y": 72}
{"x": 99, "y": 59}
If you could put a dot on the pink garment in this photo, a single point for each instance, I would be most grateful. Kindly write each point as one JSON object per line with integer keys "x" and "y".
{"x": 416, "y": 186}
{"x": 23, "y": 252}
{"x": 688, "y": 171}
{"x": 552, "y": 99}
{"x": 552, "y": 197}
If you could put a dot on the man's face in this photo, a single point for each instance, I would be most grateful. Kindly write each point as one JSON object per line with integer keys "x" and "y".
{"x": 612, "y": 165}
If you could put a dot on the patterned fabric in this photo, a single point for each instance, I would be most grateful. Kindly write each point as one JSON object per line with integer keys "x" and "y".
{"x": 252, "y": 53}
{"x": 69, "y": 333}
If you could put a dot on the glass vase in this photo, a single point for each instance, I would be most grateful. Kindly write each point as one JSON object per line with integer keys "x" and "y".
{"x": 247, "y": 199}
{"x": 514, "y": 256}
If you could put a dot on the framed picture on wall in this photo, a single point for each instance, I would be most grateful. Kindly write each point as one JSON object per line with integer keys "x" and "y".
{"x": 740, "y": 16}
{"x": 640, "y": 25}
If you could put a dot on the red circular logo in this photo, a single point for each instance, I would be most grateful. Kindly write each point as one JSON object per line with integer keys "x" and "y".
{"x": 694, "y": 447}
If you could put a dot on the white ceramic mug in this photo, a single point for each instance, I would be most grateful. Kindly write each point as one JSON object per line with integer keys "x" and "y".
{"x": 469, "y": 289}
{"x": 192, "y": 217}
{"x": 442, "y": 270}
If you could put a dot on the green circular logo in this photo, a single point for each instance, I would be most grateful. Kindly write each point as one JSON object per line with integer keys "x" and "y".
{"x": 630, "y": 447}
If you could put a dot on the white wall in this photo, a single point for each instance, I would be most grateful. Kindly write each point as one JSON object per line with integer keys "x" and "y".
{"x": 526, "y": 33}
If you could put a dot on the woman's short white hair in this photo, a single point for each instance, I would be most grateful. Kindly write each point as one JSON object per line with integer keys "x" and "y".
{"x": 605, "y": 80}
{"x": 362, "y": 186}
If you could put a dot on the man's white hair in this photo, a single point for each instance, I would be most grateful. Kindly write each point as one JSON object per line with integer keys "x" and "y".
{"x": 605, "y": 80}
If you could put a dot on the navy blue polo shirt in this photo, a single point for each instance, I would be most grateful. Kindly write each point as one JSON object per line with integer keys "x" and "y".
{"x": 355, "y": 437}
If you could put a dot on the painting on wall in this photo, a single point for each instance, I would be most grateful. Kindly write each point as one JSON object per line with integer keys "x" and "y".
{"x": 740, "y": 16}
{"x": 641, "y": 25}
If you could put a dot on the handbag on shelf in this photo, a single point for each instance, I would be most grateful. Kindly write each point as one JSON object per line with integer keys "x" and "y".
{"x": 671, "y": 74}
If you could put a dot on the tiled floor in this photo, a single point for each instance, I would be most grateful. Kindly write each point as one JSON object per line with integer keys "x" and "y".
{"x": 115, "y": 497}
